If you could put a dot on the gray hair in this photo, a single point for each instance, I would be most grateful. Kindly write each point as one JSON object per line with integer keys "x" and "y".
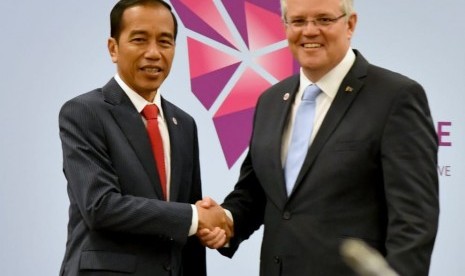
{"x": 347, "y": 7}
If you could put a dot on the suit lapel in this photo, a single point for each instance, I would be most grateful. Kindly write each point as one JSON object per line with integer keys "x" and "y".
{"x": 131, "y": 124}
{"x": 345, "y": 96}
{"x": 279, "y": 113}
{"x": 175, "y": 144}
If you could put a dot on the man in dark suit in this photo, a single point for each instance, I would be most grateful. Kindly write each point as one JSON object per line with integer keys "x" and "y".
{"x": 369, "y": 167}
{"x": 132, "y": 208}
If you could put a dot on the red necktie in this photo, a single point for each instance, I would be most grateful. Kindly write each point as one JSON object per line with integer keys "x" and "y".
{"x": 150, "y": 113}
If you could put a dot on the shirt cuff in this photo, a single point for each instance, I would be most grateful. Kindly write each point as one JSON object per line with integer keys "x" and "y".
{"x": 195, "y": 221}
{"x": 228, "y": 213}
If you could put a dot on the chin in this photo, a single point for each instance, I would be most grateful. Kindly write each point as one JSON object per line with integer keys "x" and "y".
{"x": 151, "y": 86}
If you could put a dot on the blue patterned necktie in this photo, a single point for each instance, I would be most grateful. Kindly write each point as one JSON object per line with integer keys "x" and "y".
{"x": 301, "y": 133}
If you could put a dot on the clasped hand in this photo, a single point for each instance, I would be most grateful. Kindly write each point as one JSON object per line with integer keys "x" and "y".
{"x": 215, "y": 227}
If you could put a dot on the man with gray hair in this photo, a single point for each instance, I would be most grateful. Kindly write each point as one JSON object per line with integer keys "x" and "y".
{"x": 345, "y": 149}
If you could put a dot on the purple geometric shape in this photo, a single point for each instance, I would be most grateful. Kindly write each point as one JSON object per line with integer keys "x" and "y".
{"x": 259, "y": 24}
{"x": 244, "y": 94}
{"x": 194, "y": 22}
{"x": 208, "y": 87}
{"x": 237, "y": 12}
{"x": 273, "y": 6}
{"x": 234, "y": 131}
{"x": 283, "y": 57}
{"x": 263, "y": 27}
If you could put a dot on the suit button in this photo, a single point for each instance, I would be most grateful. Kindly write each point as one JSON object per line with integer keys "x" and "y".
{"x": 277, "y": 260}
{"x": 287, "y": 215}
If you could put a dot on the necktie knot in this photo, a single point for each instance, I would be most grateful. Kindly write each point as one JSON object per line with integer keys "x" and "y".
{"x": 310, "y": 93}
{"x": 150, "y": 112}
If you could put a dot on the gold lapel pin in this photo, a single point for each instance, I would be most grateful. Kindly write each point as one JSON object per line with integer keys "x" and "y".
{"x": 175, "y": 121}
{"x": 286, "y": 96}
{"x": 349, "y": 89}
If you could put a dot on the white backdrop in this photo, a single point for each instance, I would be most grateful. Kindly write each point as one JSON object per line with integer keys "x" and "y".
{"x": 52, "y": 50}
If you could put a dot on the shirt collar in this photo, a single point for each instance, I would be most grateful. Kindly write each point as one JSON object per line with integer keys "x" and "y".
{"x": 330, "y": 82}
{"x": 137, "y": 100}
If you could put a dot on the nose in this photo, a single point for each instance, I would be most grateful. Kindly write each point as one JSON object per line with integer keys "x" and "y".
{"x": 152, "y": 51}
{"x": 311, "y": 28}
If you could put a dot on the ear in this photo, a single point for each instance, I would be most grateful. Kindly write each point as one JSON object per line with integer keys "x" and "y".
{"x": 351, "y": 23}
{"x": 113, "y": 49}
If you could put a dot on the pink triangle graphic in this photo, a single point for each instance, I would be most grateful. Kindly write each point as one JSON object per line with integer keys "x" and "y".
{"x": 203, "y": 17}
{"x": 208, "y": 87}
{"x": 204, "y": 58}
{"x": 236, "y": 11}
{"x": 279, "y": 63}
{"x": 244, "y": 94}
{"x": 259, "y": 25}
{"x": 233, "y": 120}
{"x": 263, "y": 27}
{"x": 234, "y": 132}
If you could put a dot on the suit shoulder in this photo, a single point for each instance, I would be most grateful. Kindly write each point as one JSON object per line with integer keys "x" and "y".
{"x": 88, "y": 97}
{"x": 382, "y": 75}
{"x": 286, "y": 85}
{"x": 89, "y": 100}
{"x": 391, "y": 86}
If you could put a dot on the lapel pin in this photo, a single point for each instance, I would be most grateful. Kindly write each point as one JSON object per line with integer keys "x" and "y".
{"x": 349, "y": 89}
{"x": 286, "y": 96}
{"x": 175, "y": 121}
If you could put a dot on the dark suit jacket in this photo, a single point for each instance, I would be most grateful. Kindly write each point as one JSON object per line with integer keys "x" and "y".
{"x": 370, "y": 173}
{"x": 118, "y": 222}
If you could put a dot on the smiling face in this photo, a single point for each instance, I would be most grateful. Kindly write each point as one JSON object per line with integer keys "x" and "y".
{"x": 318, "y": 49}
{"x": 144, "y": 51}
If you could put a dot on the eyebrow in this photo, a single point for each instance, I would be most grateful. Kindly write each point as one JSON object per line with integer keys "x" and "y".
{"x": 167, "y": 35}
{"x": 318, "y": 15}
{"x": 142, "y": 32}
{"x": 137, "y": 32}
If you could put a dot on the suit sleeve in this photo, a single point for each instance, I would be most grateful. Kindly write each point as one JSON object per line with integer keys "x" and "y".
{"x": 94, "y": 187}
{"x": 409, "y": 159}
{"x": 246, "y": 202}
{"x": 194, "y": 255}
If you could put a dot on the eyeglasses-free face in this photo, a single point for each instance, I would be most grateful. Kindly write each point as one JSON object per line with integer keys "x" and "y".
{"x": 321, "y": 45}
{"x": 145, "y": 48}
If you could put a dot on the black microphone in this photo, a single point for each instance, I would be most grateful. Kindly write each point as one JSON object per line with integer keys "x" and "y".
{"x": 365, "y": 260}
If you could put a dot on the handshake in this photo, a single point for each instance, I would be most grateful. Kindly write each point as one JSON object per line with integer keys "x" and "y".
{"x": 215, "y": 227}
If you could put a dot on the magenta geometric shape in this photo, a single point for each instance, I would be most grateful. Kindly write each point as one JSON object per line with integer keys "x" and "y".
{"x": 210, "y": 70}
{"x": 267, "y": 23}
{"x": 250, "y": 16}
{"x": 236, "y": 10}
{"x": 204, "y": 58}
{"x": 259, "y": 24}
{"x": 280, "y": 63}
{"x": 244, "y": 94}
{"x": 233, "y": 120}
{"x": 208, "y": 87}
{"x": 234, "y": 130}
{"x": 204, "y": 18}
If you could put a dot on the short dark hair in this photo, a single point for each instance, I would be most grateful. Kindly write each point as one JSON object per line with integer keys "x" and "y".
{"x": 116, "y": 14}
